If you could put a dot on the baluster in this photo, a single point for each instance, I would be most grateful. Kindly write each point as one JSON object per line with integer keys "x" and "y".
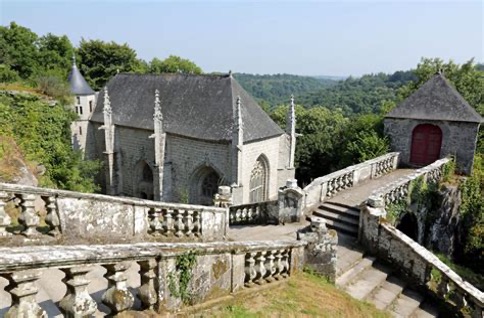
{"x": 261, "y": 268}
{"x": 147, "y": 291}
{"x": 5, "y": 219}
{"x": 270, "y": 268}
{"x": 52, "y": 218}
{"x": 179, "y": 226}
{"x": 232, "y": 218}
{"x": 28, "y": 218}
{"x": 285, "y": 263}
{"x": 189, "y": 223}
{"x": 251, "y": 215}
{"x": 459, "y": 298}
{"x": 237, "y": 215}
{"x": 197, "y": 226}
{"x": 279, "y": 268}
{"x": 250, "y": 272}
{"x": 77, "y": 302}
{"x": 117, "y": 297}
{"x": 154, "y": 220}
{"x": 328, "y": 186}
{"x": 443, "y": 286}
{"x": 168, "y": 222}
{"x": 23, "y": 289}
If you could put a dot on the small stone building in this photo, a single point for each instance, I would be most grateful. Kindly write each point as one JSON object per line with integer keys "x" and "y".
{"x": 176, "y": 138}
{"x": 432, "y": 123}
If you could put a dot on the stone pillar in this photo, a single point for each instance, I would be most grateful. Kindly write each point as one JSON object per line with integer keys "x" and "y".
{"x": 5, "y": 219}
{"x": 237, "y": 151}
{"x": 290, "y": 202}
{"x": 160, "y": 137}
{"x": 321, "y": 252}
{"x": 108, "y": 128}
{"x": 223, "y": 198}
{"x": 291, "y": 131}
{"x": 370, "y": 216}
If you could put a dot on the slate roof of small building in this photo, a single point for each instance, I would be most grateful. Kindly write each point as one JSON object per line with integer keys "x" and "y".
{"x": 78, "y": 84}
{"x": 437, "y": 99}
{"x": 198, "y": 106}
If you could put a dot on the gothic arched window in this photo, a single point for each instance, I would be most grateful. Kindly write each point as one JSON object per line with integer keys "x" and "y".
{"x": 258, "y": 181}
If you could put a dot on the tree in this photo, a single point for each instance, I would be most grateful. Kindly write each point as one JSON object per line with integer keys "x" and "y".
{"x": 174, "y": 64}
{"x": 55, "y": 55}
{"x": 18, "y": 49}
{"x": 99, "y": 61}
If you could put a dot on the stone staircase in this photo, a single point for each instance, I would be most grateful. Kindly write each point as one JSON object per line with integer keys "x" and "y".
{"x": 364, "y": 278}
{"x": 340, "y": 217}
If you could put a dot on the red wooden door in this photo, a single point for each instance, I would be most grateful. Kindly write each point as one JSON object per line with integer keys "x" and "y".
{"x": 426, "y": 142}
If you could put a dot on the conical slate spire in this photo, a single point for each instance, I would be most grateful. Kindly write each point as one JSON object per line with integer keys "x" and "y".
{"x": 78, "y": 84}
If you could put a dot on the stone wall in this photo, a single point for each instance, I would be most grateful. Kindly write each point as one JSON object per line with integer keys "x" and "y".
{"x": 219, "y": 269}
{"x": 418, "y": 264}
{"x": 72, "y": 218}
{"x": 458, "y": 139}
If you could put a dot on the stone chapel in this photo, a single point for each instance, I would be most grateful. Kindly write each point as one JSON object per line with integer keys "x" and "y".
{"x": 177, "y": 137}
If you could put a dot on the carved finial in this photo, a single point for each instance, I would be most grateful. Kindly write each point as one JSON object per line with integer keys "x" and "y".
{"x": 292, "y": 100}
{"x": 73, "y": 59}
{"x": 107, "y": 103}
{"x": 158, "y": 115}
{"x": 117, "y": 71}
{"x": 230, "y": 73}
{"x": 238, "y": 113}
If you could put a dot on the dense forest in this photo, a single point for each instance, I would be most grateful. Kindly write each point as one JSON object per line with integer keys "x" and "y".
{"x": 274, "y": 90}
{"x": 340, "y": 122}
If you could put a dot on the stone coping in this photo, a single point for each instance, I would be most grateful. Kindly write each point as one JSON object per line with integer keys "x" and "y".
{"x": 21, "y": 258}
{"x": 435, "y": 262}
{"x": 357, "y": 166}
{"x": 15, "y": 188}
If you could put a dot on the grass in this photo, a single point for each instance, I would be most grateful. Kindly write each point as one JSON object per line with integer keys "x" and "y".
{"x": 304, "y": 295}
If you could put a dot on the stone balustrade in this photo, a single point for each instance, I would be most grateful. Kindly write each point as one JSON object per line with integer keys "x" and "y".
{"x": 399, "y": 190}
{"x": 220, "y": 268}
{"x": 56, "y": 216}
{"x": 252, "y": 213}
{"x": 329, "y": 185}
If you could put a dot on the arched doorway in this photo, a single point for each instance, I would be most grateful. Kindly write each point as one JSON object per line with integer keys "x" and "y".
{"x": 409, "y": 225}
{"x": 258, "y": 180}
{"x": 204, "y": 186}
{"x": 426, "y": 143}
{"x": 145, "y": 181}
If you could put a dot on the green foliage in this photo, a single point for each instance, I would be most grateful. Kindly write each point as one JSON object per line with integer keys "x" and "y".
{"x": 363, "y": 95}
{"x": 56, "y": 88}
{"x": 321, "y": 132}
{"x": 395, "y": 211}
{"x": 174, "y": 64}
{"x": 178, "y": 282}
{"x": 274, "y": 90}
{"x": 43, "y": 134}
{"x": 472, "y": 210}
{"x": 7, "y": 75}
{"x": 448, "y": 171}
{"x": 102, "y": 60}
{"x": 55, "y": 56}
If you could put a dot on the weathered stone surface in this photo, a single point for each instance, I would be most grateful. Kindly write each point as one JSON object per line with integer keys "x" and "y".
{"x": 77, "y": 302}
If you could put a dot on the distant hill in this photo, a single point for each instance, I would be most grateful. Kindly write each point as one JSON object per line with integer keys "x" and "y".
{"x": 329, "y": 77}
{"x": 274, "y": 90}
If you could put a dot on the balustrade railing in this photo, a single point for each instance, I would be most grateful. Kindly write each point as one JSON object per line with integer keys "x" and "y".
{"x": 400, "y": 189}
{"x": 251, "y": 213}
{"x": 47, "y": 215}
{"x": 26, "y": 269}
{"x": 328, "y": 186}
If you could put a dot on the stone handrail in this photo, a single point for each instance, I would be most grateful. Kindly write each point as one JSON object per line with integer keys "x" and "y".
{"x": 226, "y": 267}
{"x": 73, "y": 217}
{"x": 252, "y": 213}
{"x": 329, "y": 185}
{"x": 399, "y": 190}
{"x": 421, "y": 265}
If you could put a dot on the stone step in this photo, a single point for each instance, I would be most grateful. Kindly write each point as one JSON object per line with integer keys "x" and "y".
{"x": 366, "y": 282}
{"x": 342, "y": 227}
{"x": 330, "y": 215}
{"x": 386, "y": 293}
{"x": 426, "y": 310}
{"x": 341, "y": 209}
{"x": 353, "y": 269}
{"x": 406, "y": 303}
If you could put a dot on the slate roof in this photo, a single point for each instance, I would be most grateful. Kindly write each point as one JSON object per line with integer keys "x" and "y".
{"x": 198, "y": 106}
{"x": 78, "y": 84}
{"x": 437, "y": 99}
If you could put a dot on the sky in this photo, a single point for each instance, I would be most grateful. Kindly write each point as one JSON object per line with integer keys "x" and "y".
{"x": 337, "y": 38}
